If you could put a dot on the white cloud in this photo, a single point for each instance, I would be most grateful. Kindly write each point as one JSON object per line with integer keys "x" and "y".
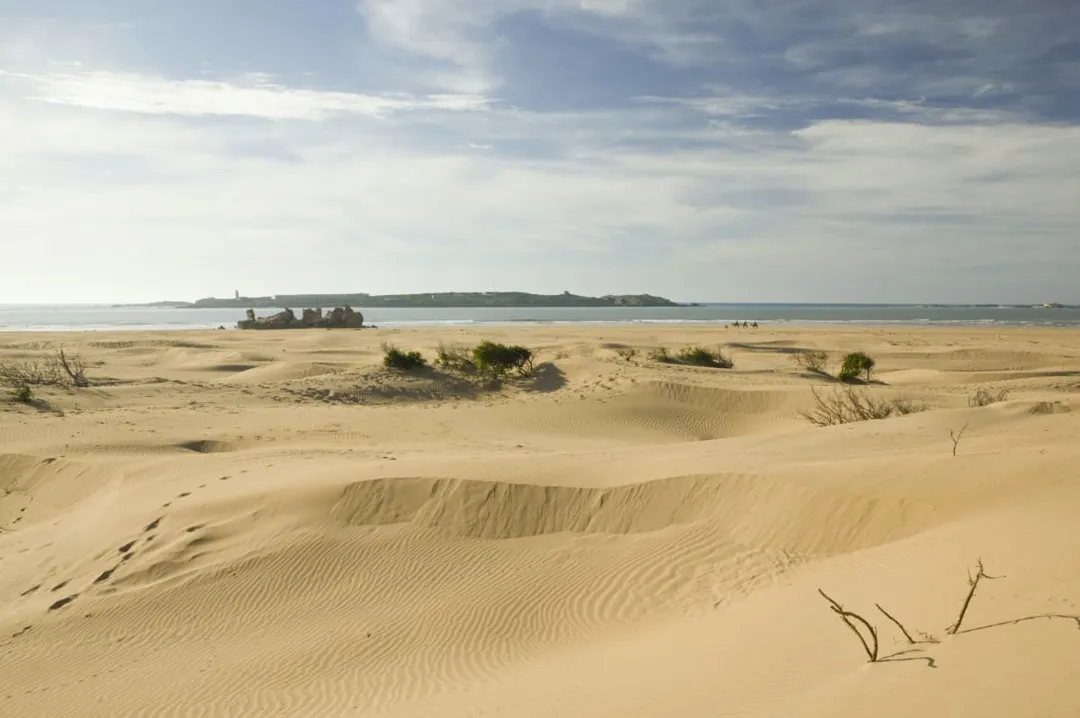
{"x": 127, "y": 185}
{"x": 253, "y": 96}
{"x": 115, "y": 206}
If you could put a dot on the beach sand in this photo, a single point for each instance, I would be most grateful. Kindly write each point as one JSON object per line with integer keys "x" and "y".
{"x": 268, "y": 523}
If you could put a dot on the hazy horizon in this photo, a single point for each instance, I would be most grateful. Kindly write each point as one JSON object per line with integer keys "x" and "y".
{"x": 805, "y": 152}
{"x": 704, "y": 302}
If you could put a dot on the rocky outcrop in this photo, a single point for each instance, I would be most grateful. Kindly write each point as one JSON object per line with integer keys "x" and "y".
{"x": 337, "y": 318}
{"x": 282, "y": 320}
{"x": 344, "y": 318}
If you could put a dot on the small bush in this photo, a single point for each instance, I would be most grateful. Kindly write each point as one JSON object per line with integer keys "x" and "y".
{"x": 22, "y": 395}
{"x": 455, "y": 358}
{"x": 59, "y": 369}
{"x": 986, "y": 397}
{"x": 627, "y": 353}
{"x": 661, "y": 355}
{"x": 849, "y": 405}
{"x": 394, "y": 358}
{"x": 692, "y": 356}
{"x": 813, "y": 361}
{"x": 30, "y": 373}
{"x": 700, "y": 356}
{"x": 497, "y": 360}
{"x": 855, "y": 364}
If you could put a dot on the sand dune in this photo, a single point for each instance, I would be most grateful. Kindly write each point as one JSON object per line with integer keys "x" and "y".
{"x": 239, "y": 524}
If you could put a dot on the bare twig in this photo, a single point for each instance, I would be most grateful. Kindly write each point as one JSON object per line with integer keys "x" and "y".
{"x": 1044, "y": 616}
{"x": 956, "y": 436}
{"x": 973, "y": 582}
{"x": 870, "y": 647}
{"x": 928, "y": 638}
{"x": 899, "y": 625}
{"x": 74, "y": 366}
{"x": 930, "y": 662}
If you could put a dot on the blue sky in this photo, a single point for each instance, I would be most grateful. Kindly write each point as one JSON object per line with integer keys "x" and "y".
{"x": 732, "y": 150}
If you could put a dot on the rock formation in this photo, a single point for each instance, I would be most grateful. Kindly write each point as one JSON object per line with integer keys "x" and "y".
{"x": 337, "y": 318}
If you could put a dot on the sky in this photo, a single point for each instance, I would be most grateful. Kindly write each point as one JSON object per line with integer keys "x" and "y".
{"x": 703, "y": 150}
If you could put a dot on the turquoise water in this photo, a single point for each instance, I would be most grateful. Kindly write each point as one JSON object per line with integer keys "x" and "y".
{"x": 90, "y": 317}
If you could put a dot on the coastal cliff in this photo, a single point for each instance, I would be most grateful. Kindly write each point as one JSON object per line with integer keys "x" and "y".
{"x": 436, "y": 299}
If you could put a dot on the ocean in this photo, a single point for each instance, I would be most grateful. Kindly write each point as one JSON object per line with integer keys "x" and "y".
{"x": 109, "y": 318}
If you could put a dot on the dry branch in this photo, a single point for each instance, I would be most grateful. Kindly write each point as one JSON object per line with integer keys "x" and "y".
{"x": 899, "y": 625}
{"x": 973, "y": 582}
{"x": 74, "y": 366}
{"x": 870, "y": 647}
{"x": 848, "y": 405}
{"x": 956, "y": 436}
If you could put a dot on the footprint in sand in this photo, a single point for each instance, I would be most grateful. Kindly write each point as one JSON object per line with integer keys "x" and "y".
{"x": 30, "y": 590}
{"x": 60, "y": 585}
{"x": 126, "y": 547}
{"x": 153, "y": 524}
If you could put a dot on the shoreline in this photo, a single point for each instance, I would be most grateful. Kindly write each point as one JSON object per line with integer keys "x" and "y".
{"x": 643, "y": 323}
{"x": 703, "y": 332}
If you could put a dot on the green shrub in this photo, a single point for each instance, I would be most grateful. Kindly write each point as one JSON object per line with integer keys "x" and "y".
{"x": 855, "y": 364}
{"x": 700, "y": 356}
{"x": 455, "y": 358}
{"x": 22, "y": 395}
{"x": 692, "y": 356}
{"x": 394, "y": 358}
{"x": 497, "y": 360}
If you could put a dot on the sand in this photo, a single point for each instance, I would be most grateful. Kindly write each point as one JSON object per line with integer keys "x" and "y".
{"x": 257, "y": 523}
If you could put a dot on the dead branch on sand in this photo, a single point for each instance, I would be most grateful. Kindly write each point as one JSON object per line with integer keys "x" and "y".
{"x": 956, "y": 436}
{"x": 899, "y": 625}
{"x": 973, "y": 582}
{"x": 870, "y": 647}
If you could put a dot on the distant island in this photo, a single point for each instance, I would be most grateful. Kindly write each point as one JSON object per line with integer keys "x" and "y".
{"x": 437, "y": 299}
